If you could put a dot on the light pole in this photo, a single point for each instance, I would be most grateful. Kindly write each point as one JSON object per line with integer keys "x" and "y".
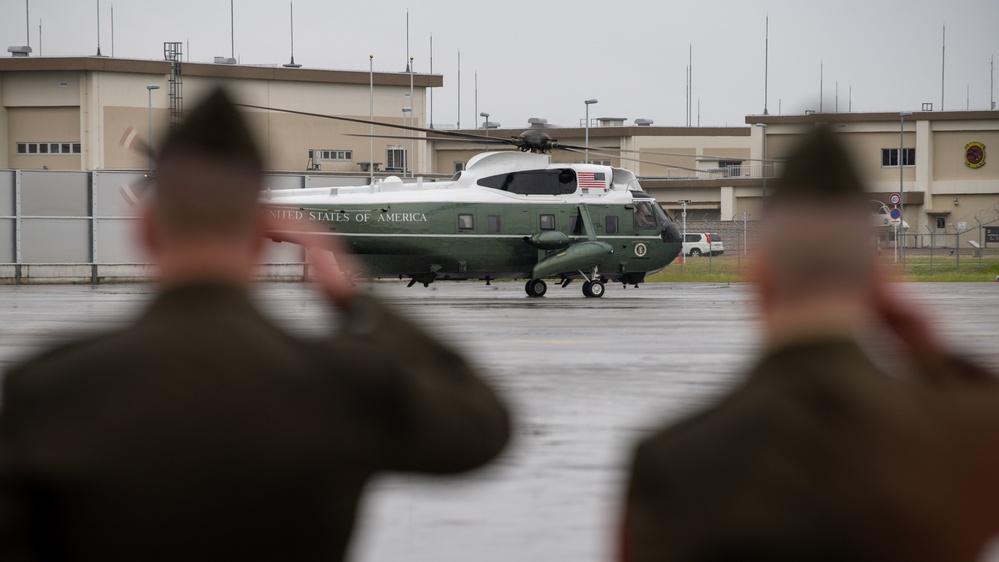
{"x": 371, "y": 119}
{"x": 412, "y": 116}
{"x": 405, "y": 151}
{"x": 901, "y": 185}
{"x": 764, "y": 127}
{"x": 149, "y": 147}
{"x": 485, "y": 125}
{"x": 587, "y": 144}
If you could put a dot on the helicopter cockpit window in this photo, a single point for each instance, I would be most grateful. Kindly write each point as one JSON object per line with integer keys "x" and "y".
{"x": 534, "y": 182}
{"x": 878, "y": 207}
{"x": 645, "y": 215}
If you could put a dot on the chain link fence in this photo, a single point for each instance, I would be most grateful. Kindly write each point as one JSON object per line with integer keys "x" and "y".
{"x": 965, "y": 245}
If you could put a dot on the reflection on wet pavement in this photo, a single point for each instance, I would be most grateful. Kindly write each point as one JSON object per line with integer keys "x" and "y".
{"x": 585, "y": 377}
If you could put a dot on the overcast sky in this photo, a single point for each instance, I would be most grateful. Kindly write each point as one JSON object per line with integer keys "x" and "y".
{"x": 543, "y": 58}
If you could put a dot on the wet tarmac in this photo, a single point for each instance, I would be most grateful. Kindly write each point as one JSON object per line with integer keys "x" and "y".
{"x": 585, "y": 377}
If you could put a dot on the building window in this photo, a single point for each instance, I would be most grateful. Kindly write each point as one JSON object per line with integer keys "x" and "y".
{"x": 493, "y": 224}
{"x": 466, "y": 221}
{"x": 395, "y": 159}
{"x": 459, "y": 166}
{"x": 336, "y": 155}
{"x": 889, "y": 157}
{"x": 941, "y": 223}
{"x": 547, "y": 222}
{"x": 48, "y": 148}
{"x": 611, "y": 224}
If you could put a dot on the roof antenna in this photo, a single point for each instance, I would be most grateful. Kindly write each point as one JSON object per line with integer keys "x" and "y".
{"x": 766, "y": 66}
{"x": 407, "y": 41}
{"x": 292, "y": 63}
{"x": 431, "y": 89}
{"x": 99, "y": 28}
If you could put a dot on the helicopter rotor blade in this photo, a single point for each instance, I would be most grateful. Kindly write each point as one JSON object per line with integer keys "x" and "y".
{"x": 702, "y": 156}
{"x": 132, "y": 140}
{"x": 399, "y": 137}
{"x": 628, "y": 158}
{"x": 455, "y": 134}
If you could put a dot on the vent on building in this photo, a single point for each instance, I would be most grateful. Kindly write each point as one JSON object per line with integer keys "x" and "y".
{"x": 225, "y": 60}
{"x": 643, "y": 122}
{"x": 19, "y": 51}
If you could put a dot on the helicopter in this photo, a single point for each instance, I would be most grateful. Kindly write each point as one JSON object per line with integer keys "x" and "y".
{"x": 507, "y": 215}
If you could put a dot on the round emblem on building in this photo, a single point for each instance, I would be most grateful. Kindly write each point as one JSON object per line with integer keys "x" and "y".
{"x": 640, "y": 249}
{"x": 974, "y": 155}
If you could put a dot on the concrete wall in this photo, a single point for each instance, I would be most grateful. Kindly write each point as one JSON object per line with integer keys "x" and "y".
{"x": 64, "y": 226}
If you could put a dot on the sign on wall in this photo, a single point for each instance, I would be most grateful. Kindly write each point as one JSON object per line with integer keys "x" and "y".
{"x": 974, "y": 155}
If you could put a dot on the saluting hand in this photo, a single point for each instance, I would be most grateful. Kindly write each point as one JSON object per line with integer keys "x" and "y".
{"x": 331, "y": 264}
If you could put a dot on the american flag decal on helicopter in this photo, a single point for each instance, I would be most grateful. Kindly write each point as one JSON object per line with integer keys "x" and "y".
{"x": 591, "y": 180}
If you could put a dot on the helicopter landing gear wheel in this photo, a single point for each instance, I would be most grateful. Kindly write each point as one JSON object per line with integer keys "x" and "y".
{"x": 594, "y": 289}
{"x": 536, "y": 288}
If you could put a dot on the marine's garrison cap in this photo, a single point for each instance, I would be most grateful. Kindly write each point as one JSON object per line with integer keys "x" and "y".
{"x": 820, "y": 168}
{"x": 215, "y": 128}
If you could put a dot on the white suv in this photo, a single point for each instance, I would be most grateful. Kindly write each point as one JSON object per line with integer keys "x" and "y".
{"x": 703, "y": 243}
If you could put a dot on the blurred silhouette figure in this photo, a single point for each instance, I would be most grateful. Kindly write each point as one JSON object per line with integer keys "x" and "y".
{"x": 204, "y": 432}
{"x": 820, "y": 454}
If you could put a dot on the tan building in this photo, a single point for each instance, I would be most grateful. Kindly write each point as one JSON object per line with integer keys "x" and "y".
{"x": 948, "y": 179}
{"x": 71, "y": 113}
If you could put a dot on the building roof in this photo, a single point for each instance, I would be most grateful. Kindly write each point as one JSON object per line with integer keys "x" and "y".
{"x": 871, "y": 117}
{"x": 622, "y": 131}
{"x": 210, "y": 70}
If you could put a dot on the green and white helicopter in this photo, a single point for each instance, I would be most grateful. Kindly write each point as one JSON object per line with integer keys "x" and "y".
{"x": 508, "y": 215}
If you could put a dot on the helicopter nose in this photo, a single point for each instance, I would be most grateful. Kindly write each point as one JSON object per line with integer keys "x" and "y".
{"x": 670, "y": 234}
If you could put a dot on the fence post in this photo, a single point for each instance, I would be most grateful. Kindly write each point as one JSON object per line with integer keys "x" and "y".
{"x": 931, "y": 248}
{"x": 957, "y": 249}
{"x": 92, "y": 195}
{"x": 981, "y": 248}
{"x": 17, "y": 227}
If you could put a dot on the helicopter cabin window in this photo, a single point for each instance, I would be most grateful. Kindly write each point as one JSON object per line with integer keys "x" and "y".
{"x": 395, "y": 159}
{"x": 534, "y": 182}
{"x": 575, "y": 224}
{"x": 466, "y": 221}
{"x": 645, "y": 215}
{"x": 611, "y": 224}
{"x": 493, "y": 224}
{"x": 547, "y": 222}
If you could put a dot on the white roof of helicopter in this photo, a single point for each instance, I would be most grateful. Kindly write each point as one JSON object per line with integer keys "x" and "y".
{"x": 465, "y": 188}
